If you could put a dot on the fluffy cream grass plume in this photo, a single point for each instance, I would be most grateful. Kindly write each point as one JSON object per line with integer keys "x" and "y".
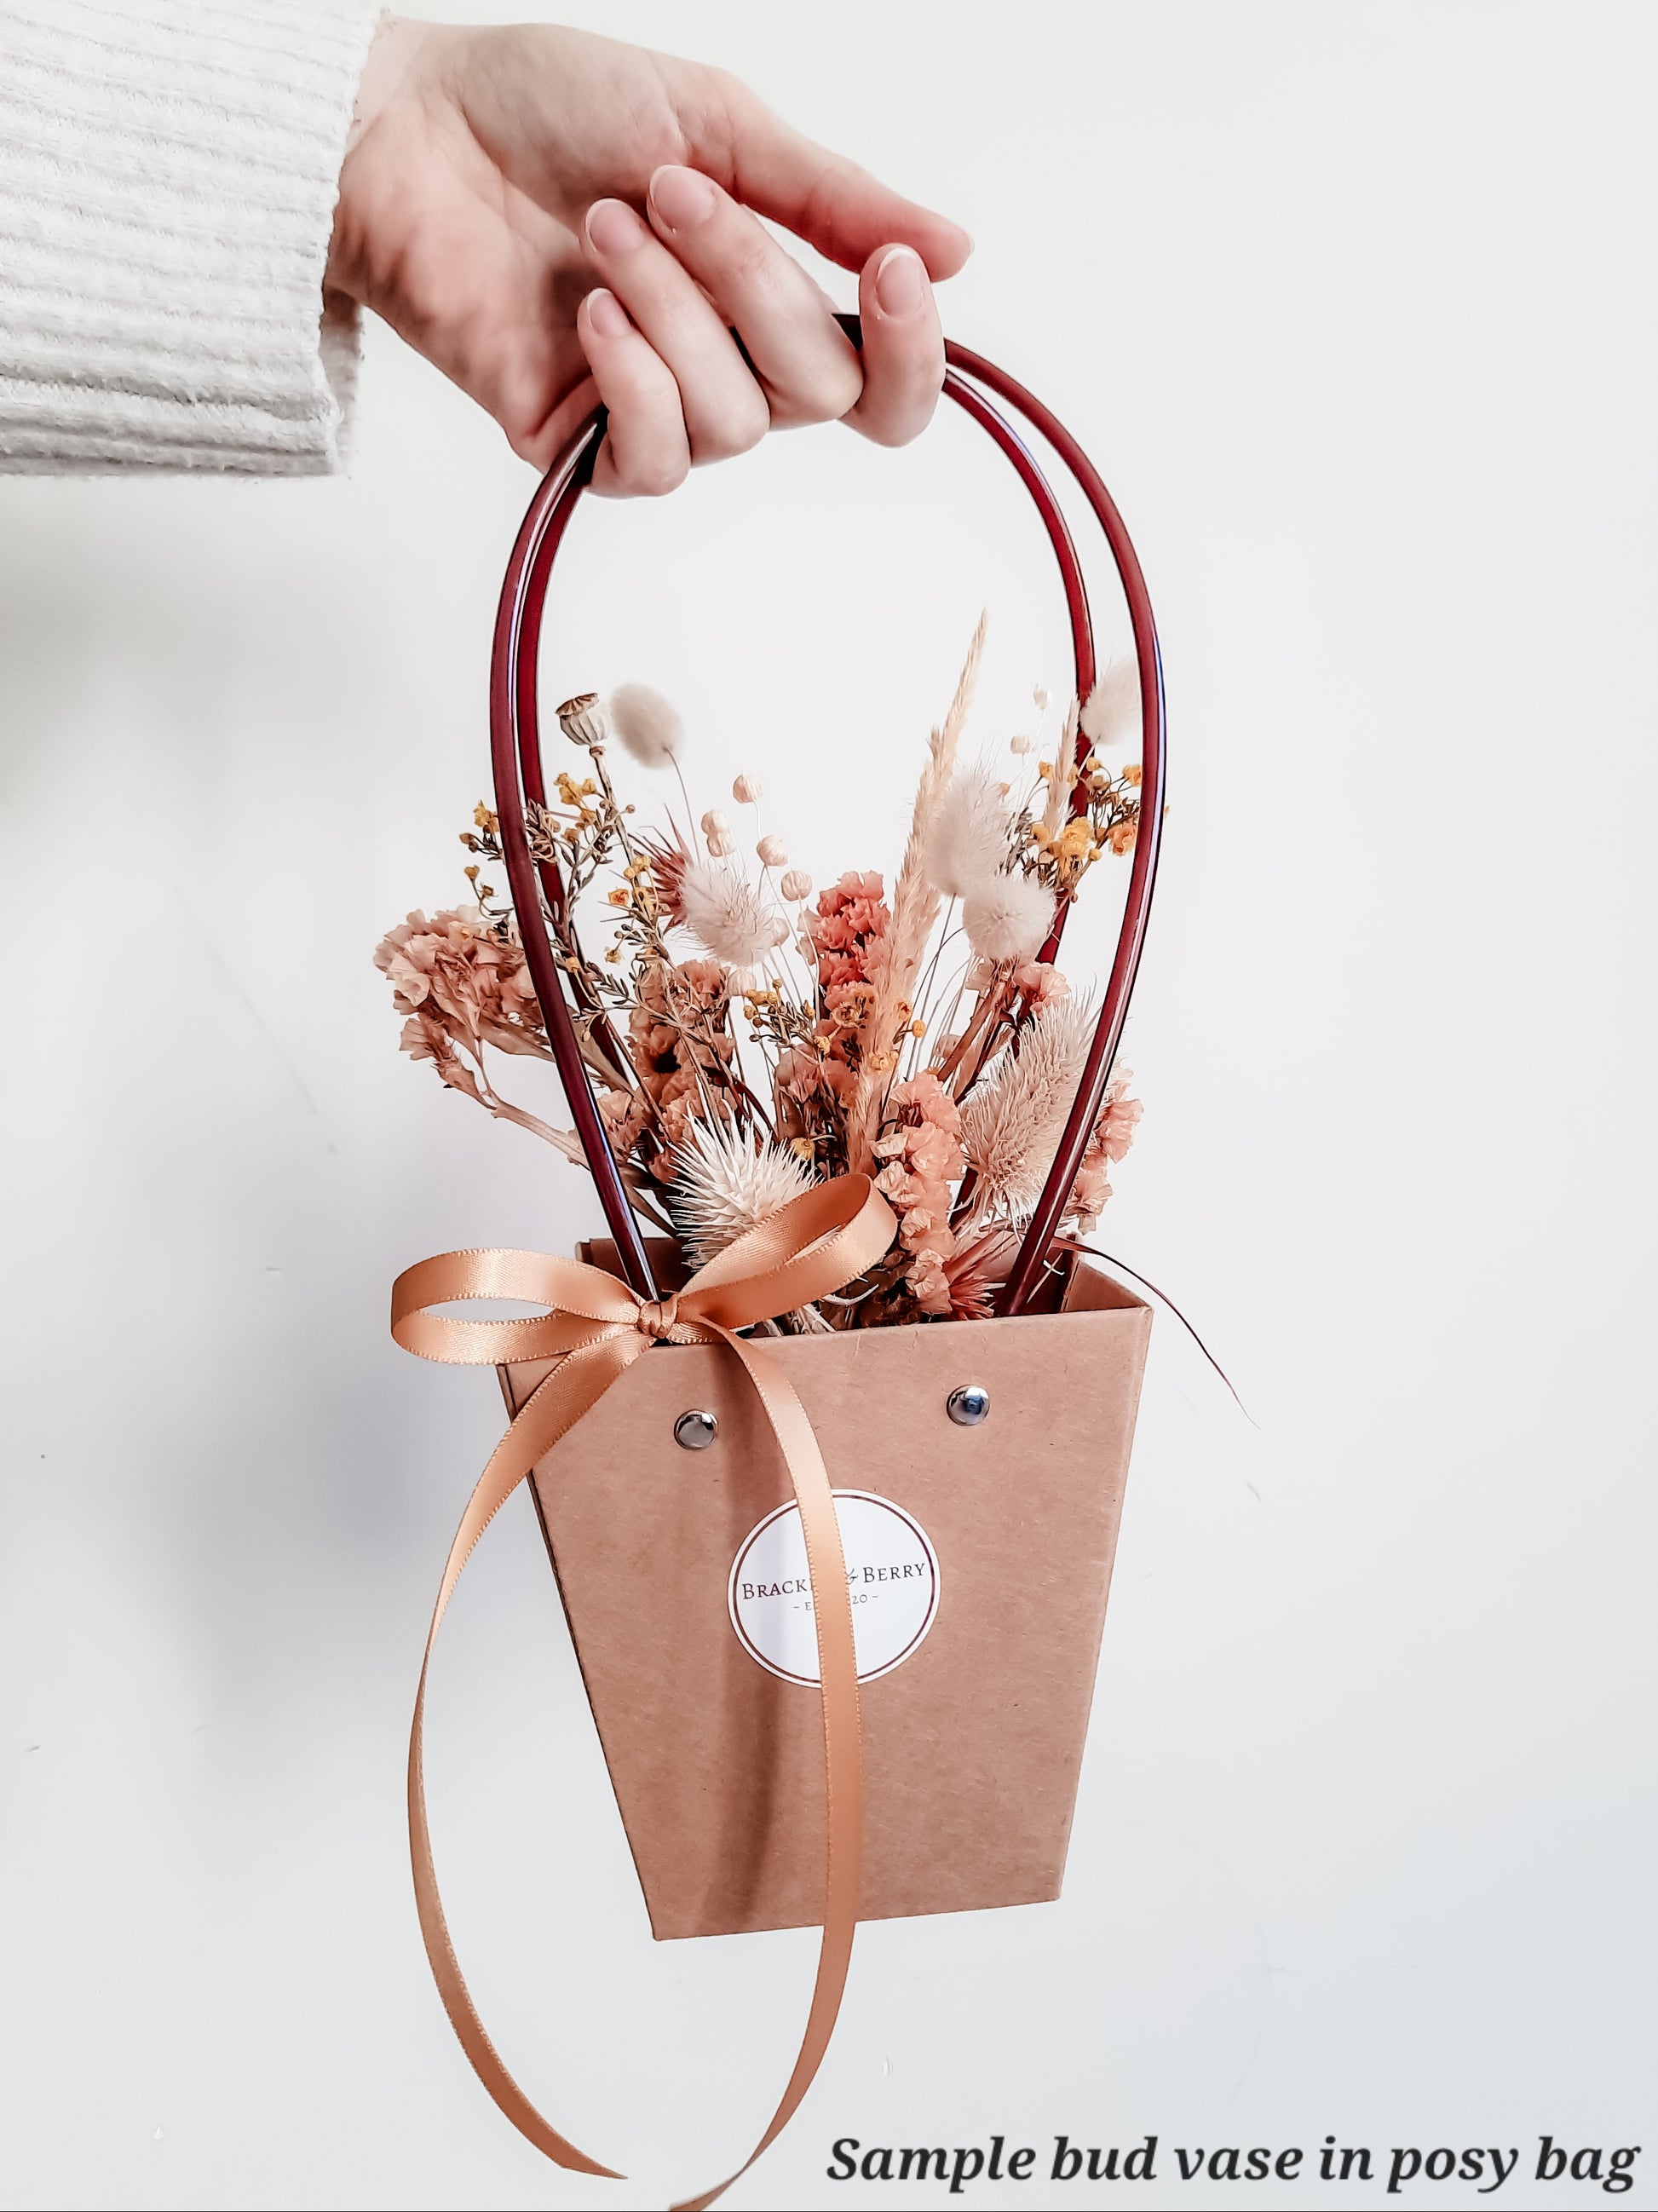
{"x": 914, "y": 911}
{"x": 648, "y": 726}
{"x": 1008, "y": 918}
{"x": 725, "y": 1183}
{"x": 1113, "y": 705}
{"x": 726, "y": 914}
{"x": 967, "y": 839}
{"x": 1013, "y": 1122}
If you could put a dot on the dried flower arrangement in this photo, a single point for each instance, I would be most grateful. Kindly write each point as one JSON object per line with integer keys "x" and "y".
{"x": 927, "y": 1040}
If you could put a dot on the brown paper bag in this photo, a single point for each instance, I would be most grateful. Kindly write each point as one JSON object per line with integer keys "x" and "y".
{"x": 973, "y": 1739}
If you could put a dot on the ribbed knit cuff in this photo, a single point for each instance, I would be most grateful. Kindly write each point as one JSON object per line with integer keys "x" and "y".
{"x": 168, "y": 175}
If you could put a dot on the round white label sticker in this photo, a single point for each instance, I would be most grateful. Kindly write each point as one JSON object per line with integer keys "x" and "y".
{"x": 892, "y": 1574}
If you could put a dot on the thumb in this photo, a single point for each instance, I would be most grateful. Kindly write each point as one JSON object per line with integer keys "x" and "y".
{"x": 824, "y": 199}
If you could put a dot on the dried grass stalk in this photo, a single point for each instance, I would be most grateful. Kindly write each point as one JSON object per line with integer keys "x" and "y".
{"x": 914, "y": 911}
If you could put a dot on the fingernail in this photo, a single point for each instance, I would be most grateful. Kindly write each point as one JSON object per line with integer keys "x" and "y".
{"x": 681, "y": 197}
{"x": 607, "y": 315}
{"x": 613, "y": 227}
{"x": 900, "y": 282}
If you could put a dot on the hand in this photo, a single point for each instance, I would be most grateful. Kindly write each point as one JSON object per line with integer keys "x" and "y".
{"x": 550, "y": 218}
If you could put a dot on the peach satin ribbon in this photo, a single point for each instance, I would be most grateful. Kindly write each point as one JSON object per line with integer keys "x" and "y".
{"x": 597, "y": 1328}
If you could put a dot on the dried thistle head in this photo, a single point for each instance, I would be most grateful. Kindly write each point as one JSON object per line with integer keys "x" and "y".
{"x": 725, "y": 1183}
{"x": 726, "y": 914}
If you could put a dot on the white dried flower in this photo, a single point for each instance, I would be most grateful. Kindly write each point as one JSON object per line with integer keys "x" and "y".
{"x": 746, "y": 791}
{"x": 725, "y": 1183}
{"x": 1113, "y": 708}
{"x": 1021, "y": 746}
{"x": 796, "y": 886}
{"x": 1039, "y": 695}
{"x": 647, "y": 724}
{"x": 1008, "y": 918}
{"x": 727, "y": 915}
{"x": 965, "y": 841}
{"x": 773, "y": 851}
{"x": 721, "y": 844}
{"x": 714, "y": 822}
{"x": 582, "y": 721}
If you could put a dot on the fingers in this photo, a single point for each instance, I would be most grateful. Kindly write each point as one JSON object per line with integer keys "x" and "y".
{"x": 821, "y": 197}
{"x": 725, "y": 409}
{"x": 809, "y": 371}
{"x": 705, "y": 333}
{"x": 647, "y": 450}
{"x": 904, "y": 347}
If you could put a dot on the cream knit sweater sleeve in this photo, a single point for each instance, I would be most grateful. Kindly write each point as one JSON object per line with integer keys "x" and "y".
{"x": 168, "y": 170}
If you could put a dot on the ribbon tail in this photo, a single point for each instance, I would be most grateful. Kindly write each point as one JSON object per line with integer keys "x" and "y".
{"x": 837, "y": 1669}
{"x": 578, "y": 1381}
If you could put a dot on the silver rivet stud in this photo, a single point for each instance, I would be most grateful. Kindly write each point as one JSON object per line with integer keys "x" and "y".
{"x": 970, "y": 1405}
{"x": 696, "y": 1431}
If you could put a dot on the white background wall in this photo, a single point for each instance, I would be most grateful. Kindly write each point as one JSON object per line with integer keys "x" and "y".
{"x": 1355, "y": 308}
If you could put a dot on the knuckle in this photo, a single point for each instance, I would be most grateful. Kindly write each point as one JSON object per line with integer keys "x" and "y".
{"x": 738, "y": 430}
{"x": 653, "y": 476}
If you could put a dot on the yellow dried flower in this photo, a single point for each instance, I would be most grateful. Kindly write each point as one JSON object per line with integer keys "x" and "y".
{"x": 1132, "y": 773}
{"x": 485, "y": 818}
{"x": 621, "y": 896}
{"x": 918, "y": 1030}
{"x": 471, "y": 872}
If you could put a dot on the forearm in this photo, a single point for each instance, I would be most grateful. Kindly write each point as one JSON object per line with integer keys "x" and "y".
{"x": 168, "y": 173}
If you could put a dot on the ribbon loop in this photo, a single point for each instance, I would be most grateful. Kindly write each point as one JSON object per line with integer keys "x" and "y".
{"x": 595, "y": 1329}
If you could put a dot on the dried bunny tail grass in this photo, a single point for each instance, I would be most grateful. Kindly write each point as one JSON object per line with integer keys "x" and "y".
{"x": 915, "y": 909}
{"x": 1012, "y": 1124}
{"x": 967, "y": 838}
{"x": 1063, "y": 780}
{"x": 647, "y": 724}
{"x": 724, "y": 1183}
{"x": 728, "y": 915}
{"x": 1113, "y": 705}
{"x": 1008, "y": 918}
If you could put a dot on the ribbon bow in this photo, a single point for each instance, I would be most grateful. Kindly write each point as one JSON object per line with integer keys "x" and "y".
{"x": 596, "y": 1327}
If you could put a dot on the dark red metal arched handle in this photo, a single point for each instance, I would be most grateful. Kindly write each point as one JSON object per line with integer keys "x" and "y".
{"x": 515, "y": 750}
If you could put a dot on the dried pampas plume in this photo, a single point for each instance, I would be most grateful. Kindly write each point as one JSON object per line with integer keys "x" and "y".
{"x": 647, "y": 724}
{"x": 1008, "y": 918}
{"x": 724, "y": 1183}
{"x": 1063, "y": 780}
{"x": 728, "y": 915}
{"x": 914, "y": 908}
{"x": 1012, "y": 1124}
{"x": 1113, "y": 705}
{"x": 967, "y": 838}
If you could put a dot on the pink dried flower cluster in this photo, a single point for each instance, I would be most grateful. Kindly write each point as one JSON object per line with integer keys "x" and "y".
{"x": 921, "y": 1149}
{"x": 681, "y": 1049}
{"x": 847, "y": 935}
{"x": 462, "y": 982}
{"x": 1113, "y": 1132}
